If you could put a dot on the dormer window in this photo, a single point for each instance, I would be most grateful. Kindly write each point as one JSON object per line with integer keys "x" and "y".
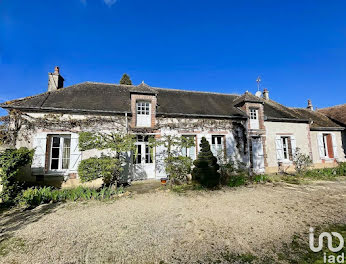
{"x": 143, "y": 116}
{"x": 254, "y": 120}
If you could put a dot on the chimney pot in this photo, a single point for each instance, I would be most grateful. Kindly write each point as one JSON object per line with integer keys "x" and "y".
{"x": 56, "y": 70}
{"x": 310, "y": 107}
{"x": 265, "y": 94}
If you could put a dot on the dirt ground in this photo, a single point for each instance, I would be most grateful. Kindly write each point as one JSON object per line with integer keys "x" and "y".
{"x": 166, "y": 227}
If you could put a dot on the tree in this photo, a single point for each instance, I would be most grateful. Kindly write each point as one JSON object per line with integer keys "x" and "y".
{"x": 109, "y": 166}
{"x": 125, "y": 79}
{"x": 177, "y": 166}
{"x": 206, "y": 167}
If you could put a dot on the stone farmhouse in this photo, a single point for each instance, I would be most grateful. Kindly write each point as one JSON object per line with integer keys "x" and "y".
{"x": 254, "y": 130}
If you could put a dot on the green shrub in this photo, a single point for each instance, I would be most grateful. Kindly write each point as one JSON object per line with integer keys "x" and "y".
{"x": 301, "y": 161}
{"x": 237, "y": 180}
{"x": 178, "y": 168}
{"x": 260, "y": 178}
{"x": 11, "y": 161}
{"x": 206, "y": 168}
{"x": 35, "y": 196}
{"x": 107, "y": 168}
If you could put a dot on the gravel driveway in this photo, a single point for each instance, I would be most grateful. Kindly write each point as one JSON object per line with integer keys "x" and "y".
{"x": 165, "y": 227}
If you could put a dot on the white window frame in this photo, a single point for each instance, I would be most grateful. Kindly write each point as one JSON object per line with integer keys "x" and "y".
{"x": 254, "y": 118}
{"x": 218, "y": 148}
{"x": 191, "y": 151}
{"x": 325, "y": 145}
{"x": 143, "y": 143}
{"x": 285, "y": 149}
{"x": 143, "y": 113}
{"x": 61, "y": 152}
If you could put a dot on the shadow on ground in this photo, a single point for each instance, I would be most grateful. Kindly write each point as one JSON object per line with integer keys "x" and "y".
{"x": 15, "y": 219}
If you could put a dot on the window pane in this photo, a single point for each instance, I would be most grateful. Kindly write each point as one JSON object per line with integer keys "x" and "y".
{"x": 66, "y": 164}
{"x": 55, "y": 152}
{"x": 55, "y": 164}
{"x": 148, "y": 153}
{"x": 56, "y": 141}
{"x": 218, "y": 140}
{"x": 137, "y": 157}
{"x": 66, "y": 153}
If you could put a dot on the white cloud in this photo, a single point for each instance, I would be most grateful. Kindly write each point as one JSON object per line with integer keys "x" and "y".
{"x": 109, "y": 3}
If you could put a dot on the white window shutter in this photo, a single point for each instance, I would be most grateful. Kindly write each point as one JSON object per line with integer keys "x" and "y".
{"x": 279, "y": 148}
{"x": 293, "y": 144}
{"x": 76, "y": 154}
{"x": 320, "y": 145}
{"x": 39, "y": 159}
{"x": 335, "y": 147}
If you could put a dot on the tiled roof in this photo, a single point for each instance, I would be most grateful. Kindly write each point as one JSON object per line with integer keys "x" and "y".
{"x": 336, "y": 113}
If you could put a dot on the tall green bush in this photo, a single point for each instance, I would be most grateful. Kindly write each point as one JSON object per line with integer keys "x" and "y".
{"x": 206, "y": 168}
{"x": 105, "y": 167}
{"x": 11, "y": 161}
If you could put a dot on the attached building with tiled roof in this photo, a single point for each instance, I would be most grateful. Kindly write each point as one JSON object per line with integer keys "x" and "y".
{"x": 246, "y": 128}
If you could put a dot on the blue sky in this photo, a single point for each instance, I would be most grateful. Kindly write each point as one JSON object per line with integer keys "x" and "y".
{"x": 298, "y": 47}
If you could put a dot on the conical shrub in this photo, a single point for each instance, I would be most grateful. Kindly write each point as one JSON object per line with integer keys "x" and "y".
{"x": 206, "y": 168}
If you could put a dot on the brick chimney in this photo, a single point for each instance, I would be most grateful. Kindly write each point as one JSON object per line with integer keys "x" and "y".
{"x": 265, "y": 94}
{"x": 310, "y": 107}
{"x": 55, "y": 80}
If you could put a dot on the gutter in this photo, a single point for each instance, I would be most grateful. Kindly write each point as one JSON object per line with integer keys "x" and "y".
{"x": 202, "y": 115}
{"x": 54, "y": 109}
{"x": 290, "y": 120}
{"x": 327, "y": 128}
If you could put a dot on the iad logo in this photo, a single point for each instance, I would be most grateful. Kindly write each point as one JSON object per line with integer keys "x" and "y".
{"x": 331, "y": 258}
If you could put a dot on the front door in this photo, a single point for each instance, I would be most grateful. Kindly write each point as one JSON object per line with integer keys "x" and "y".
{"x": 257, "y": 155}
{"x": 143, "y": 159}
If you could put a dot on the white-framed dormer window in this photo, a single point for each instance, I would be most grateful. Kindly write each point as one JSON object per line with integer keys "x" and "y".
{"x": 143, "y": 116}
{"x": 60, "y": 152}
{"x": 254, "y": 120}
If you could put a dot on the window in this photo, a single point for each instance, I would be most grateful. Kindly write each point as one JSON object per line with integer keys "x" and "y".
{"x": 253, "y": 114}
{"x": 191, "y": 151}
{"x": 254, "y": 120}
{"x": 60, "y": 152}
{"x": 143, "y": 115}
{"x": 286, "y": 148}
{"x": 217, "y": 146}
{"x": 144, "y": 153}
{"x": 328, "y": 150}
{"x": 143, "y": 108}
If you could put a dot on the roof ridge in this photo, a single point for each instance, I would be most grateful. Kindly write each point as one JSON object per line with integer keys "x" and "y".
{"x": 160, "y": 88}
{"x": 331, "y": 107}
